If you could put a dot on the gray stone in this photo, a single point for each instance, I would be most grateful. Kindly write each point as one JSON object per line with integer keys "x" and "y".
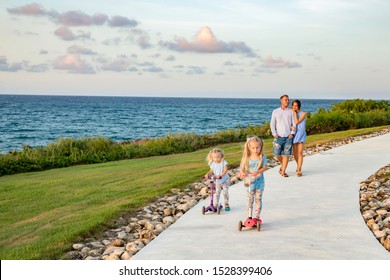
{"x": 114, "y": 250}
{"x": 78, "y": 246}
{"x": 97, "y": 244}
{"x": 123, "y": 235}
{"x": 168, "y": 219}
{"x": 134, "y": 246}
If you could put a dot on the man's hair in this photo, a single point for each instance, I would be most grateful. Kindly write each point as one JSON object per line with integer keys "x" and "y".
{"x": 285, "y": 95}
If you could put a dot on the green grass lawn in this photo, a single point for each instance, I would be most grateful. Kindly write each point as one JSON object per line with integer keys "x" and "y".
{"x": 44, "y": 213}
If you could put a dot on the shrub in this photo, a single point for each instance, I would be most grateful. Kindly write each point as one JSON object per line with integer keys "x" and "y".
{"x": 360, "y": 106}
{"x": 329, "y": 122}
{"x": 349, "y": 114}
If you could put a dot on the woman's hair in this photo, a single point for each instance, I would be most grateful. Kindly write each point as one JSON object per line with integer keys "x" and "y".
{"x": 298, "y": 103}
{"x": 247, "y": 153}
{"x": 213, "y": 151}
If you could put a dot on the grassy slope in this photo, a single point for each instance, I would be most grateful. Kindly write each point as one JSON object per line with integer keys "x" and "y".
{"x": 43, "y": 213}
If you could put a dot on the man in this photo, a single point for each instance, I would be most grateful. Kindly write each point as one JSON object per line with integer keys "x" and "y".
{"x": 282, "y": 121}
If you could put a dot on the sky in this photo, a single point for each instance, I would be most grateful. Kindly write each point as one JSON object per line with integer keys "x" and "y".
{"x": 327, "y": 49}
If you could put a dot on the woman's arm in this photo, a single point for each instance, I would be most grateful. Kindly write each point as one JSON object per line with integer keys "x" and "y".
{"x": 300, "y": 119}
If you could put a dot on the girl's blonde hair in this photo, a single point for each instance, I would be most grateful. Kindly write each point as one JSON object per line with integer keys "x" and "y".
{"x": 247, "y": 152}
{"x": 213, "y": 151}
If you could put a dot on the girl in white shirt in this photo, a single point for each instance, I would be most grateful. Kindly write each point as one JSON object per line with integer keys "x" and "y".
{"x": 219, "y": 167}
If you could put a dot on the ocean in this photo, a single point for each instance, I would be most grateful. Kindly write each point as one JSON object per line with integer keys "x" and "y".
{"x": 37, "y": 120}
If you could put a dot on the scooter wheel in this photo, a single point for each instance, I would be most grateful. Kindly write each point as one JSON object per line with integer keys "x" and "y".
{"x": 258, "y": 225}
{"x": 203, "y": 210}
{"x": 239, "y": 225}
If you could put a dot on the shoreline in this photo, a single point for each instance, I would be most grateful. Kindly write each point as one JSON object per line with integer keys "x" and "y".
{"x": 125, "y": 117}
{"x": 135, "y": 231}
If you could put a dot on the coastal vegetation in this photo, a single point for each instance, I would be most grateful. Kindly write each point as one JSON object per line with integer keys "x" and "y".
{"x": 65, "y": 152}
{"x": 350, "y": 114}
{"x": 44, "y": 213}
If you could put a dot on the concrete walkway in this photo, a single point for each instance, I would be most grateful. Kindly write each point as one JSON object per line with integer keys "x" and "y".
{"x": 313, "y": 217}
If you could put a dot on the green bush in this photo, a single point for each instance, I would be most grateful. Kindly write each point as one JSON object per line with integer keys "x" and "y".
{"x": 361, "y": 106}
{"x": 328, "y": 122}
{"x": 371, "y": 119}
{"x": 349, "y": 114}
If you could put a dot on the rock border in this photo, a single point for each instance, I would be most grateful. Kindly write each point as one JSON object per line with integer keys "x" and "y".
{"x": 136, "y": 230}
{"x": 375, "y": 204}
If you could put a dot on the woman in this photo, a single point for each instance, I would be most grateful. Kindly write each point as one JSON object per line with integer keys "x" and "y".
{"x": 300, "y": 134}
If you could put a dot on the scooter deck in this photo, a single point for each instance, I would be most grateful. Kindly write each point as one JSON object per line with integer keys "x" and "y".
{"x": 250, "y": 223}
{"x": 211, "y": 208}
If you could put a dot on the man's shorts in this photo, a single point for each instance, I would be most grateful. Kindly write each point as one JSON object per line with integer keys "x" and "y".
{"x": 282, "y": 146}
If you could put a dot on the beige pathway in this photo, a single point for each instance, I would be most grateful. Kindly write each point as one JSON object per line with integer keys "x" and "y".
{"x": 316, "y": 216}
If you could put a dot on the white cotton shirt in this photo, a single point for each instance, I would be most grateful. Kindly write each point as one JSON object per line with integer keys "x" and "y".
{"x": 217, "y": 168}
{"x": 281, "y": 122}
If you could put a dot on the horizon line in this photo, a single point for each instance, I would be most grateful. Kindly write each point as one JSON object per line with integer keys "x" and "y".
{"x": 184, "y": 97}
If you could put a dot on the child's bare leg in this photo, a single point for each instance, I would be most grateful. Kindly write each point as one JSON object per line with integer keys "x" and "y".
{"x": 226, "y": 194}
{"x": 259, "y": 203}
{"x": 249, "y": 205}
{"x": 217, "y": 194}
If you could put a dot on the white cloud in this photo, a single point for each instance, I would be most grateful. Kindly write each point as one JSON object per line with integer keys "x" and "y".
{"x": 73, "y": 18}
{"x": 78, "y": 18}
{"x": 32, "y": 9}
{"x": 80, "y": 50}
{"x": 5, "y": 66}
{"x": 112, "y": 41}
{"x": 73, "y": 64}
{"x": 38, "y": 68}
{"x": 66, "y": 34}
{"x": 170, "y": 58}
{"x": 153, "y": 69}
{"x": 120, "y": 64}
{"x": 141, "y": 38}
{"x": 195, "y": 70}
{"x": 206, "y": 42}
{"x": 119, "y": 21}
{"x": 270, "y": 62}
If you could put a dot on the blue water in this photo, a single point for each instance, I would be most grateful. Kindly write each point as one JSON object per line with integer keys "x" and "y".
{"x": 37, "y": 120}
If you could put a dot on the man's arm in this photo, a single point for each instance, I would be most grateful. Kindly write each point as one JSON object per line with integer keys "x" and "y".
{"x": 273, "y": 124}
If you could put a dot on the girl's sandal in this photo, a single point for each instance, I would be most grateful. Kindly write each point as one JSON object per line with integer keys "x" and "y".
{"x": 284, "y": 175}
{"x": 299, "y": 174}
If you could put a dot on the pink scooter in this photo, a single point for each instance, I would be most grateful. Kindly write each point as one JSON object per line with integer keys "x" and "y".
{"x": 250, "y": 223}
{"x": 211, "y": 207}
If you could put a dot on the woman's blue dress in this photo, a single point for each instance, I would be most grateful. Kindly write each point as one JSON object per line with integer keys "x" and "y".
{"x": 300, "y": 131}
